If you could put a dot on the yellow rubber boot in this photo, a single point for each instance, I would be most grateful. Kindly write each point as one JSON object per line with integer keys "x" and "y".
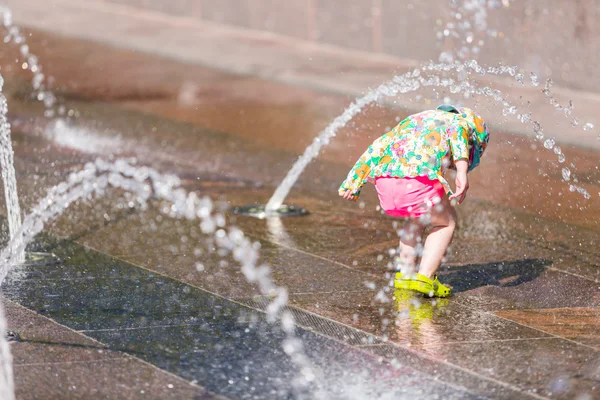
{"x": 422, "y": 284}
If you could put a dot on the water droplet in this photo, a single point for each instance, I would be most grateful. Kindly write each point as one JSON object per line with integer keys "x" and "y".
{"x": 520, "y": 78}
{"x": 548, "y": 86}
{"x": 588, "y": 127}
{"x": 549, "y": 143}
{"x": 524, "y": 117}
{"x": 557, "y": 150}
{"x": 566, "y": 174}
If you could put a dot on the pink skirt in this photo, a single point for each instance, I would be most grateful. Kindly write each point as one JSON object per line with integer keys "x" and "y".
{"x": 408, "y": 197}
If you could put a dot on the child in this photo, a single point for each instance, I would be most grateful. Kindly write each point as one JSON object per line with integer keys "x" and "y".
{"x": 407, "y": 166}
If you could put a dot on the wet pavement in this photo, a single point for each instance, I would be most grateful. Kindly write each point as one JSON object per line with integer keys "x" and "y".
{"x": 524, "y": 322}
{"x": 229, "y": 348}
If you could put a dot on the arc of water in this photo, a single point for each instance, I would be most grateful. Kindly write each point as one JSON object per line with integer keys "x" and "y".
{"x": 31, "y": 63}
{"x": 313, "y": 150}
{"x": 146, "y": 183}
{"x": 7, "y": 391}
{"x": 408, "y": 82}
{"x": 8, "y": 172}
{"x": 509, "y": 109}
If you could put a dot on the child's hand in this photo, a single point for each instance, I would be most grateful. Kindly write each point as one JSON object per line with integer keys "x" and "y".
{"x": 348, "y": 195}
{"x": 462, "y": 182}
{"x": 462, "y": 186}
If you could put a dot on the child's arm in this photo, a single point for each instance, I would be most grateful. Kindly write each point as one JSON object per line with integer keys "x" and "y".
{"x": 358, "y": 175}
{"x": 462, "y": 181}
{"x": 460, "y": 147}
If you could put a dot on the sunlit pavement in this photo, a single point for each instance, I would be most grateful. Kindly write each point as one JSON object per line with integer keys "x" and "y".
{"x": 523, "y": 322}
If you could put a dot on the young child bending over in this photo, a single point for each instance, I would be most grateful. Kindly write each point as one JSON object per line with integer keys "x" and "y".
{"x": 407, "y": 166}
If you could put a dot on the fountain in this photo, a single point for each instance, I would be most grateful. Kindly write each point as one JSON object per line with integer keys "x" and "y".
{"x": 10, "y": 188}
{"x": 93, "y": 180}
{"x": 147, "y": 184}
{"x": 433, "y": 75}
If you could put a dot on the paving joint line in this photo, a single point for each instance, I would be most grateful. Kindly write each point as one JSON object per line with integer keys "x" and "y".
{"x": 136, "y": 328}
{"x": 319, "y": 257}
{"x": 472, "y": 341}
{"x": 574, "y": 274}
{"x": 306, "y": 293}
{"x": 109, "y": 359}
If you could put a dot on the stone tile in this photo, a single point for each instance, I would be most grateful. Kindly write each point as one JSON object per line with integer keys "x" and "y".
{"x": 36, "y": 352}
{"x": 472, "y": 381}
{"x": 110, "y": 303}
{"x": 547, "y": 367}
{"x": 172, "y": 248}
{"x": 578, "y": 324}
{"x": 126, "y": 378}
{"x": 136, "y": 298}
{"x": 43, "y": 341}
{"x": 304, "y": 273}
{"x": 207, "y": 353}
{"x": 34, "y": 327}
{"x": 234, "y": 12}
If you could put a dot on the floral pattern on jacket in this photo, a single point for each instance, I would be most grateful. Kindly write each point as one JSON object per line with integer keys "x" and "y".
{"x": 423, "y": 144}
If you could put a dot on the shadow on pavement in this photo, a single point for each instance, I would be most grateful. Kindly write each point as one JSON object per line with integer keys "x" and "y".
{"x": 504, "y": 274}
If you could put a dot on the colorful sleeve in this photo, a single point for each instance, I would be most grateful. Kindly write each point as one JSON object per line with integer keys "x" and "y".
{"x": 358, "y": 175}
{"x": 458, "y": 136}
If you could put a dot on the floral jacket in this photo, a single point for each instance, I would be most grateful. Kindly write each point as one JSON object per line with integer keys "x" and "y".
{"x": 424, "y": 144}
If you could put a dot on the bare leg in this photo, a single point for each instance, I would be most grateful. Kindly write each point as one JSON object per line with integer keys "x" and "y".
{"x": 443, "y": 223}
{"x": 409, "y": 240}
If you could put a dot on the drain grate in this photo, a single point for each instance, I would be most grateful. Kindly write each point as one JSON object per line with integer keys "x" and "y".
{"x": 317, "y": 323}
